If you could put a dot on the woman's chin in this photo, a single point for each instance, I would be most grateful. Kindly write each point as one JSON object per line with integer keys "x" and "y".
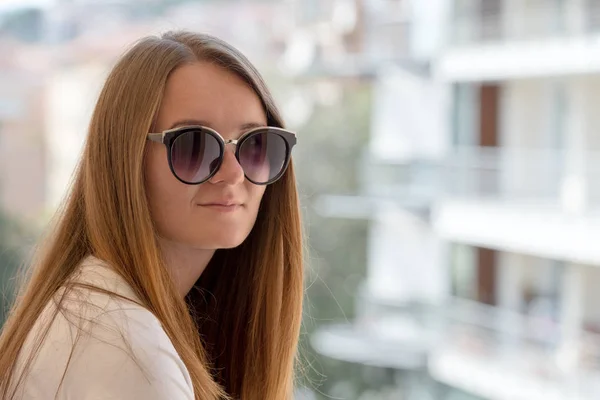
{"x": 221, "y": 241}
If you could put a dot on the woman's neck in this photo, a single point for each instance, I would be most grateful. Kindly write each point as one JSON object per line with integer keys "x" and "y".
{"x": 185, "y": 263}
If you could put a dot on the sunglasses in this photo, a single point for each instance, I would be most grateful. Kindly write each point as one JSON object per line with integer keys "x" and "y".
{"x": 195, "y": 153}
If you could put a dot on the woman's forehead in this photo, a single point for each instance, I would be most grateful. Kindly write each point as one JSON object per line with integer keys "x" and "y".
{"x": 204, "y": 91}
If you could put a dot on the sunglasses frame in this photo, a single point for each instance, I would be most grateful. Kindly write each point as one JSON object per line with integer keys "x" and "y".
{"x": 169, "y": 136}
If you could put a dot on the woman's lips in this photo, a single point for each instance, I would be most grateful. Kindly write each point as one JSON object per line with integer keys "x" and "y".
{"x": 222, "y": 207}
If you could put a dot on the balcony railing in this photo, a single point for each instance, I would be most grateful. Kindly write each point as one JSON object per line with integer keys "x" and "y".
{"x": 550, "y": 177}
{"x": 499, "y": 20}
{"x": 536, "y": 346}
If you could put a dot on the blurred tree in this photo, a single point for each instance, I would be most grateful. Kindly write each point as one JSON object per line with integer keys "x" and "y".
{"x": 326, "y": 160}
{"x": 12, "y": 235}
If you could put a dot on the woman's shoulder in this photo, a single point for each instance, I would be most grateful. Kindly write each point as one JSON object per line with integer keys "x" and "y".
{"x": 96, "y": 343}
{"x": 98, "y": 300}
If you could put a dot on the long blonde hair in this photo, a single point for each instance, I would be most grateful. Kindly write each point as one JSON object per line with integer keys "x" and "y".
{"x": 241, "y": 340}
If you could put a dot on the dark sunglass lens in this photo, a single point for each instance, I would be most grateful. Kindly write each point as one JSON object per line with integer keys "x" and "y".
{"x": 263, "y": 156}
{"x": 195, "y": 155}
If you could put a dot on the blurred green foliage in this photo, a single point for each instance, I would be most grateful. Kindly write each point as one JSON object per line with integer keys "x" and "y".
{"x": 12, "y": 238}
{"x": 326, "y": 161}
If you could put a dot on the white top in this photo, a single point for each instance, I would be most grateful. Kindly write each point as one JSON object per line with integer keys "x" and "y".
{"x": 122, "y": 352}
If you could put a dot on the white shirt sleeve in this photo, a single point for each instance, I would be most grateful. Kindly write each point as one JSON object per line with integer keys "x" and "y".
{"x": 126, "y": 355}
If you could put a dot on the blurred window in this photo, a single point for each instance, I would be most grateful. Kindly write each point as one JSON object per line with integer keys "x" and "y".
{"x": 490, "y": 18}
{"x": 593, "y": 15}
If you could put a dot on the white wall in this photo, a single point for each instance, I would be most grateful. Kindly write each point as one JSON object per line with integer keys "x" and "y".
{"x": 591, "y": 125}
{"x": 525, "y": 107}
{"x": 591, "y": 95}
{"x": 406, "y": 260}
{"x": 591, "y": 295}
{"x": 528, "y": 130}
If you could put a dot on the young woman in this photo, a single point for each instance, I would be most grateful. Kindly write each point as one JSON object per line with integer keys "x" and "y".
{"x": 174, "y": 270}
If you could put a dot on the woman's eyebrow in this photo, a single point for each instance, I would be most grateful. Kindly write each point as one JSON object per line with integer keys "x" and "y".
{"x": 184, "y": 122}
{"x": 250, "y": 125}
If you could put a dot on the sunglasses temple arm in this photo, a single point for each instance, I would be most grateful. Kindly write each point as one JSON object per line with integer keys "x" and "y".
{"x": 155, "y": 137}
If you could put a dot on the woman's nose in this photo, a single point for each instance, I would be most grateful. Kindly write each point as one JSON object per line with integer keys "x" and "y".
{"x": 230, "y": 171}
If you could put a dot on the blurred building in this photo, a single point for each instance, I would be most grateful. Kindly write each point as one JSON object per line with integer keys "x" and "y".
{"x": 48, "y": 85}
{"x": 407, "y": 281}
{"x": 22, "y": 146}
{"x": 479, "y": 184}
{"x": 522, "y": 195}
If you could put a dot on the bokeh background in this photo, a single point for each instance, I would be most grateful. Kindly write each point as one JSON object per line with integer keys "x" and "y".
{"x": 447, "y": 163}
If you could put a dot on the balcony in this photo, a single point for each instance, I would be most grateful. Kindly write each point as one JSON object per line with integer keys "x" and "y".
{"x": 501, "y": 354}
{"x": 485, "y": 350}
{"x": 497, "y": 40}
{"x": 477, "y": 21}
{"x": 486, "y": 173}
{"x": 521, "y": 200}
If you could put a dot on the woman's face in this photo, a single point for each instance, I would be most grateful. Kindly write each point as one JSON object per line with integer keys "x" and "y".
{"x": 205, "y": 94}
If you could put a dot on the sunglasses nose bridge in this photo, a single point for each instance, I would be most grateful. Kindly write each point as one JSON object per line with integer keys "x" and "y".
{"x": 232, "y": 141}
